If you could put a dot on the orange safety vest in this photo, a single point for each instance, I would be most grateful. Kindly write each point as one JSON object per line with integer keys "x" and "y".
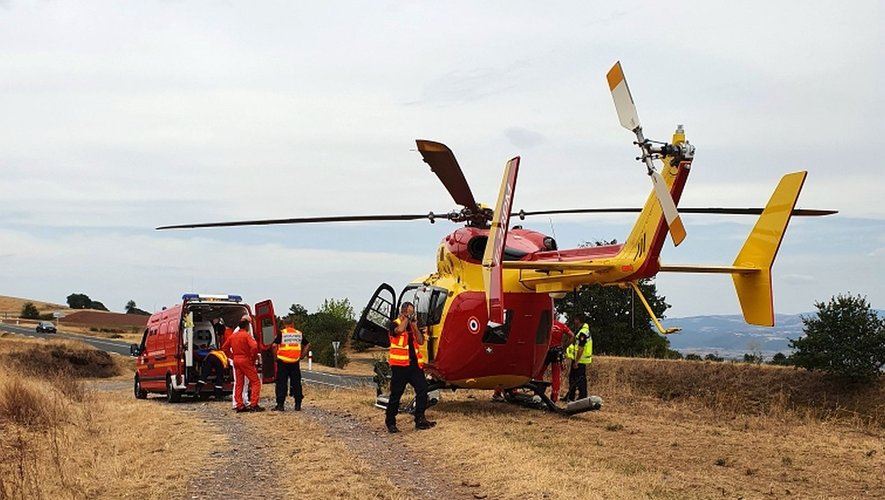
{"x": 399, "y": 347}
{"x": 220, "y": 355}
{"x": 290, "y": 345}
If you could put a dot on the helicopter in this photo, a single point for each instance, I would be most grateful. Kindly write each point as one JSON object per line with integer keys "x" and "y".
{"x": 488, "y": 308}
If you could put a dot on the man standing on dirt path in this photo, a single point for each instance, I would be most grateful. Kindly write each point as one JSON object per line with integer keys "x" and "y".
{"x": 292, "y": 347}
{"x": 243, "y": 349}
{"x": 580, "y": 353}
{"x": 406, "y": 367}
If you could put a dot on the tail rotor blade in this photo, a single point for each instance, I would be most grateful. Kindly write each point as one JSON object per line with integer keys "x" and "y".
{"x": 677, "y": 230}
{"x": 623, "y": 99}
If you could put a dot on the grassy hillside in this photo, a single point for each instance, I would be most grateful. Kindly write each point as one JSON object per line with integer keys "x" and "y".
{"x": 735, "y": 389}
{"x": 12, "y": 306}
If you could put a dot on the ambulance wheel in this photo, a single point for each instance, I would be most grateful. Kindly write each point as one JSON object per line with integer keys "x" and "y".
{"x": 172, "y": 395}
{"x": 139, "y": 392}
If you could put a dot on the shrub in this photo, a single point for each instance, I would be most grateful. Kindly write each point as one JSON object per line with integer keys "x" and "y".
{"x": 846, "y": 339}
{"x": 29, "y": 311}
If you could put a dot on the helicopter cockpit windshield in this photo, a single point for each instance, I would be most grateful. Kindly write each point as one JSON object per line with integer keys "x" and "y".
{"x": 429, "y": 302}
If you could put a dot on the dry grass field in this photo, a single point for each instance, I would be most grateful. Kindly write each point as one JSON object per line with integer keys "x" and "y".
{"x": 62, "y": 439}
{"x": 11, "y": 307}
{"x": 733, "y": 438}
{"x": 668, "y": 429}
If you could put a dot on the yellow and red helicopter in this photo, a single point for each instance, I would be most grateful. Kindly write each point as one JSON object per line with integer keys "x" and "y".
{"x": 488, "y": 307}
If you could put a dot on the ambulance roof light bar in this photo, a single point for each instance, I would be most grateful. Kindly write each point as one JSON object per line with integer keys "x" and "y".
{"x": 211, "y": 298}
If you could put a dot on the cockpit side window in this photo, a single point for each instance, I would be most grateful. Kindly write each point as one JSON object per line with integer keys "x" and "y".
{"x": 429, "y": 302}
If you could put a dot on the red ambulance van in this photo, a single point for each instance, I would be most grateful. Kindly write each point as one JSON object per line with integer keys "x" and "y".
{"x": 167, "y": 357}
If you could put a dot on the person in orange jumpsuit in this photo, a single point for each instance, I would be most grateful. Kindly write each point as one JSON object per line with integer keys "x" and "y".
{"x": 243, "y": 350}
{"x": 554, "y": 357}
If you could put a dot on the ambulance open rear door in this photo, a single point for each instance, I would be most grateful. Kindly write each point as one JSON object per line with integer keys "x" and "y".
{"x": 265, "y": 323}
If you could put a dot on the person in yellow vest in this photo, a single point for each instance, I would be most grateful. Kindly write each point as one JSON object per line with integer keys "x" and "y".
{"x": 406, "y": 367}
{"x": 292, "y": 347}
{"x": 213, "y": 366}
{"x": 580, "y": 353}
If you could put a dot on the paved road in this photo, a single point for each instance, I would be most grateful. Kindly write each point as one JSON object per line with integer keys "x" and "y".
{"x": 108, "y": 345}
{"x": 122, "y": 348}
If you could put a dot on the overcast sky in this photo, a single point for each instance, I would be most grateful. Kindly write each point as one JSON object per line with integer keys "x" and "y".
{"x": 117, "y": 117}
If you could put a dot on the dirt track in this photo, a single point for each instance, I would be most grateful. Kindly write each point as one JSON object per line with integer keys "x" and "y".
{"x": 257, "y": 443}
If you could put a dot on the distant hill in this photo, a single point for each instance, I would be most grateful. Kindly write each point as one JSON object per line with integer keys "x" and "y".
{"x": 730, "y": 337}
{"x": 11, "y": 307}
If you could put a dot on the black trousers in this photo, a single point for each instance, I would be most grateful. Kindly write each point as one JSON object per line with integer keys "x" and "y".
{"x": 211, "y": 366}
{"x": 400, "y": 377}
{"x": 577, "y": 381}
{"x": 288, "y": 378}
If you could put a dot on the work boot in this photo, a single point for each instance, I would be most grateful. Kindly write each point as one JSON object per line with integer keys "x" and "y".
{"x": 424, "y": 424}
{"x": 244, "y": 409}
{"x": 298, "y": 406}
{"x": 391, "y": 428}
{"x": 217, "y": 394}
{"x": 256, "y": 408}
{"x": 278, "y": 408}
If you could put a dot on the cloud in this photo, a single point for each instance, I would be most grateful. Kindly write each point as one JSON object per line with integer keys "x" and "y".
{"x": 523, "y": 138}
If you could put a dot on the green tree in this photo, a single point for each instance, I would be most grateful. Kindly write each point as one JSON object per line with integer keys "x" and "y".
{"x": 846, "y": 339}
{"x": 131, "y": 308}
{"x": 619, "y": 323}
{"x": 714, "y": 358}
{"x": 333, "y": 322}
{"x": 98, "y": 306}
{"x": 338, "y": 308}
{"x": 693, "y": 357}
{"x": 29, "y": 311}
{"x": 780, "y": 359}
{"x": 753, "y": 359}
{"x": 79, "y": 301}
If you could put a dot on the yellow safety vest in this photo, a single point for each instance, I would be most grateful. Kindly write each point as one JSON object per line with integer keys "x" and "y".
{"x": 398, "y": 355}
{"x": 587, "y": 355}
{"x": 290, "y": 345}
{"x": 220, "y": 355}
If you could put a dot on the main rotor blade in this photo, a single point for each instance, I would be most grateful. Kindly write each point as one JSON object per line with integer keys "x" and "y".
{"x": 797, "y": 212}
{"x": 443, "y": 163}
{"x": 310, "y": 220}
{"x": 623, "y": 99}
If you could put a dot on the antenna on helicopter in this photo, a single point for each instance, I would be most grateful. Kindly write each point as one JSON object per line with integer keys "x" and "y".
{"x": 629, "y": 118}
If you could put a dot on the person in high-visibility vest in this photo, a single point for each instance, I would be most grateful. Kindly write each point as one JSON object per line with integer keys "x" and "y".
{"x": 212, "y": 368}
{"x": 406, "y": 367}
{"x": 292, "y": 347}
{"x": 580, "y": 353}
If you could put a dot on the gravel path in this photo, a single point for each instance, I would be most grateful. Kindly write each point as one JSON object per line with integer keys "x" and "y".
{"x": 387, "y": 454}
{"x": 244, "y": 469}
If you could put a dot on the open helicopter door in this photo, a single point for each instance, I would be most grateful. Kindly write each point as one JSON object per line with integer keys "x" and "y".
{"x": 374, "y": 325}
{"x": 266, "y": 323}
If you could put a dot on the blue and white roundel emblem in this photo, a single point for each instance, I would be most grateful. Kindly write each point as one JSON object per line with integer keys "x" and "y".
{"x": 473, "y": 325}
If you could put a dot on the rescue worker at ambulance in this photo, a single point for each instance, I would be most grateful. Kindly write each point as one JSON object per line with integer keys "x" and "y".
{"x": 214, "y": 363}
{"x": 243, "y": 349}
{"x": 406, "y": 367}
{"x": 560, "y": 335}
{"x": 292, "y": 347}
{"x": 580, "y": 353}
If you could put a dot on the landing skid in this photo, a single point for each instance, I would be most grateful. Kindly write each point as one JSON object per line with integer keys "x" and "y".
{"x": 531, "y": 395}
{"x": 534, "y": 395}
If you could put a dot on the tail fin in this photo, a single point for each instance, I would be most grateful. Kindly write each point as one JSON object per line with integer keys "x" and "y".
{"x": 758, "y": 253}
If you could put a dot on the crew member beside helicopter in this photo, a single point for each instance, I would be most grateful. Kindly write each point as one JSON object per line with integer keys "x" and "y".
{"x": 560, "y": 336}
{"x": 406, "y": 367}
{"x": 581, "y": 354}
